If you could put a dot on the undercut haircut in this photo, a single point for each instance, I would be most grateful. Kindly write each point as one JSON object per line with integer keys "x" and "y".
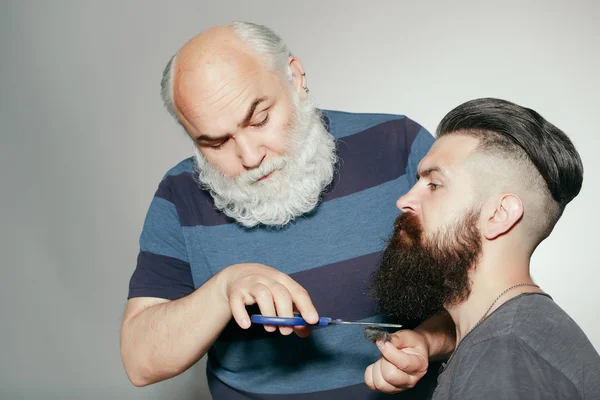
{"x": 540, "y": 155}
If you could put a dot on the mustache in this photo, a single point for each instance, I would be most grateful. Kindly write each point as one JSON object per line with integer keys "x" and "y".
{"x": 408, "y": 223}
{"x": 265, "y": 168}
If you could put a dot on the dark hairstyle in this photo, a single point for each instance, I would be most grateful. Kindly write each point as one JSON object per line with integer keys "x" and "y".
{"x": 506, "y": 126}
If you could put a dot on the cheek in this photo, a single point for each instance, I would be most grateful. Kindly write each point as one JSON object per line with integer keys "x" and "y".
{"x": 225, "y": 160}
{"x": 277, "y": 133}
{"x": 437, "y": 217}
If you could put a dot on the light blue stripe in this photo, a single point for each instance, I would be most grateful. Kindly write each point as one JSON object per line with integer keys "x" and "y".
{"x": 328, "y": 236}
{"x": 418, "y": 150}
{"x": 162, "y": 231}
{"x": 186, "y": 165}
{"x": 346, "y": 124}
{"x": 338, "y": 358}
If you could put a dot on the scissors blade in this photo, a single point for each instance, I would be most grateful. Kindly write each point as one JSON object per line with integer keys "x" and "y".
{"x": 374, "y": 324}
{"x": 297, "y": 320}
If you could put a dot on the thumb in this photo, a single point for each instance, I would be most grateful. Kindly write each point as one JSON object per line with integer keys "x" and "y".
{"x": 410, "y": 350}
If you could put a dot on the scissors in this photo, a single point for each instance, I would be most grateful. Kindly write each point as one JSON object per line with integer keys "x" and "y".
{"x": 297, "y": 320}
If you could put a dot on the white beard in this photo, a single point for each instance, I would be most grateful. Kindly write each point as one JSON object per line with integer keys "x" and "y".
{"x": 296, "y": 186}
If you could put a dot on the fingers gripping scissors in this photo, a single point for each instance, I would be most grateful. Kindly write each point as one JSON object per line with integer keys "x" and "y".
{"x": 297, "y": 320}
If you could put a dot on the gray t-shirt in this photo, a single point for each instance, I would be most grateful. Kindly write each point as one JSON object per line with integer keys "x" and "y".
{"x": 528, "y": 348}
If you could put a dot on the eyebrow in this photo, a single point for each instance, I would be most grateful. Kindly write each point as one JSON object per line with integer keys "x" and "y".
{"x": 426, "y": 172}
{"x": 251, "y": 110}
{"x": 245, "y": 122}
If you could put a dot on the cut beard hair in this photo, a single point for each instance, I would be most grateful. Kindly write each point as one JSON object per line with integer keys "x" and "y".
{"x": 303, "y": 173}
{"x": 419, "y": 276}
{"x": 377, "y": 334}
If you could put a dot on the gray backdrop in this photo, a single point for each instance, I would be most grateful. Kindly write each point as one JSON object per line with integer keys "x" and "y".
{"x": 85, "y": 142}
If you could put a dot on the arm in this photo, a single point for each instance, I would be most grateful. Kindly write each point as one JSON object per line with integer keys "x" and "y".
{"x": 161, "y": 338}
{"x": 439, "y": 334}
{"x": 168, "y": 324}
{"x": 405, "y": 357}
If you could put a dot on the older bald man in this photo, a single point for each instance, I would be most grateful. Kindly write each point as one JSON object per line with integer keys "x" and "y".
{"x": 282, "y": 208}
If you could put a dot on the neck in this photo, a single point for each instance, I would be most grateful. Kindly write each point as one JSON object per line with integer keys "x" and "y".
{"x": 488, "y": 281}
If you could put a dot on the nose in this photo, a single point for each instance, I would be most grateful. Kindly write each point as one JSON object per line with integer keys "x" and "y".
{"x": 408, "y": 202}
{"x": 250, "y": 151}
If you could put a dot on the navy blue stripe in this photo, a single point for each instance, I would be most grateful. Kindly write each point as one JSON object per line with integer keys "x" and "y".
{"x": 422, "y": 391}
{"x": 194, "y": 205}
{"x": 330, "y": 285}
{"x": 160, "y": 276}
{"x": 368, "y": 159}
{"x": 372, "y": 157}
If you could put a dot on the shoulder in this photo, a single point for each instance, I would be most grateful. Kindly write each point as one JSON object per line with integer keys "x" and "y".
{"x": 505, "y": 363}
{"x": 556, "y": 338}
{"x": 184, "y": 166}
{"x": 195, "y": 206}
{"x": 178, "y": 182}
{"x": 342, "y": 124}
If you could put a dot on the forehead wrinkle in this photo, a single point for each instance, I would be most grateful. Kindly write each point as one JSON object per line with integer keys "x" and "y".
{"x": 242, "y": 83}
{"x": 222, "y": 98}
{"x": 204, "y": 71}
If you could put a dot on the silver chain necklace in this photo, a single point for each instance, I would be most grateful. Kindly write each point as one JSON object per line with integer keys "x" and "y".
{"x": 498, "y": 298}
{"x": 443, "y": 367}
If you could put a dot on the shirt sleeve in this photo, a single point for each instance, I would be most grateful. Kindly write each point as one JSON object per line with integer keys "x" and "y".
{"x": 163, "y": 269}
{"x": 418, "y": 149}
{"x": 507, "y": 368}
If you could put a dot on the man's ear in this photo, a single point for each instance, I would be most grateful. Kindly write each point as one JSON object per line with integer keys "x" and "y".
{"x": 296, "y": 69}
{"x": 501, "y": 213}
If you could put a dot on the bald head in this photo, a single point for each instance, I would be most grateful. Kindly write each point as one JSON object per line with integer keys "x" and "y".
{"x": 219, "y": 54}
{"x": 208, "y": 67}
{"x": 220, "y": 41}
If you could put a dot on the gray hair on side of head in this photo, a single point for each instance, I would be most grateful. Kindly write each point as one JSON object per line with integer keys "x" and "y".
{"x": 166, "y": 87}
{"x": 266, "y": 43}
{"x": 259, "y": 38}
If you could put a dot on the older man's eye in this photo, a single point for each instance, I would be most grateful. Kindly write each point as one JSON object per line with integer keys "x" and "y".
{"x": 219, "y": 145}
{"x": 262, "y": 123}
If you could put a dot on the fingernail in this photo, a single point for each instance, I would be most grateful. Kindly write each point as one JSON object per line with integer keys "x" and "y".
{"x": 312, "y": 317}
{"x": 381, "y": 344}
{"x": 245, "y": 323}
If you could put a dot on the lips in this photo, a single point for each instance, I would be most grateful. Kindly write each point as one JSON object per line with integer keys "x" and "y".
{"x": 266, "y": 176}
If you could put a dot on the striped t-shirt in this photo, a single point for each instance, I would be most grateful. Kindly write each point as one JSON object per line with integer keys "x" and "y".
{"x": 330, "y": 251}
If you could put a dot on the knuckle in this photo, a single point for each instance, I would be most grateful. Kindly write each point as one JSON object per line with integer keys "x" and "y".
{"x": 300, "y": 292}
{"x": 390, "y": 374}
{"x": 378, "y": 385}
{"x": 262, "y": 292}
{"x": 235, "y": 296}
{"x": 402, "y": 362}
{"x": 382, "y": 385}
{"x": 281, "y": 291}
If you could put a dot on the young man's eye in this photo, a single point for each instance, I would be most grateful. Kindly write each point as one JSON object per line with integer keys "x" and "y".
{"x": 433, "y": 186}
{"x": 262, "y": 123}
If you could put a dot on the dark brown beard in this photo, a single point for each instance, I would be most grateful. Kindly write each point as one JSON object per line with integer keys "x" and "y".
{"x": 417, "y": 276}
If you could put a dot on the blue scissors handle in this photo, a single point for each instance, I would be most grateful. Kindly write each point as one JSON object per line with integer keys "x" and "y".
{"x": 283, "y": 321}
